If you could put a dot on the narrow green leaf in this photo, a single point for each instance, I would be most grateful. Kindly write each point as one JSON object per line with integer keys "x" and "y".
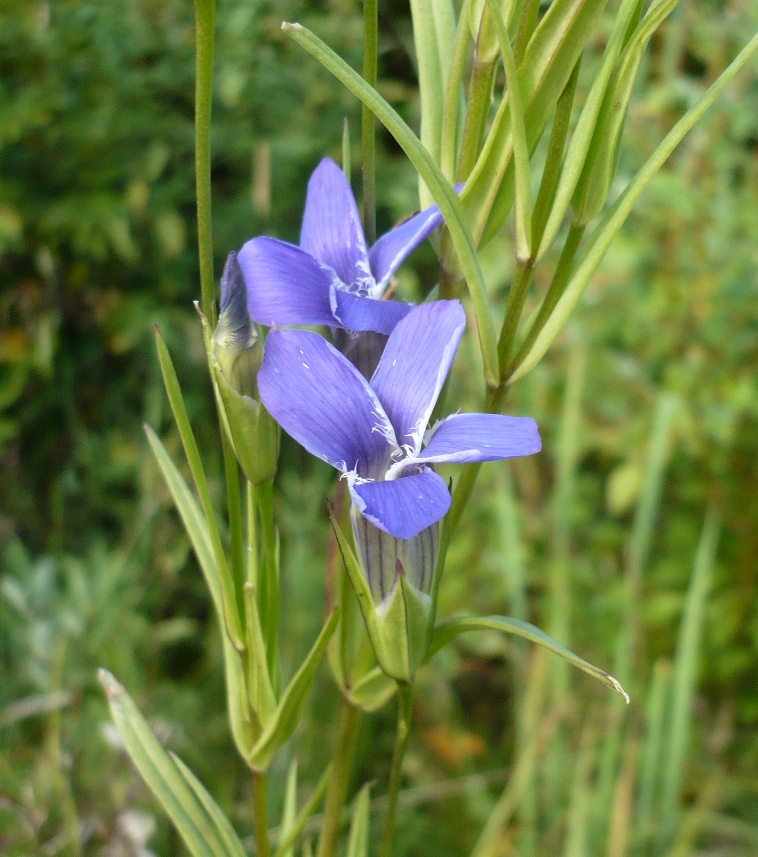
{"x": 289, "y": 812}
{"x": 357, "y": 845}
{"x": 440, "y": 188}
{"x": 610, "y": 225}
{"x": 196, "y": 528}
{"x": 551, "y": 55}
{"x": 430, "y": 78}
{"x": 260, "y": 689}
{"x": 520, "y": 147}
{"x": 451, "y": 628}
{"x": 585, "y": 130}
{"x": 651, "y": 770}
{"x": 221, "y": 822}
{"x": 287, "y": 715}
{"x": 231, "y": 613}
{"x": 189, "y": 815}
{"x": 602, "y": 159}
{"x": 684, "y": 675}
{"x": 454, "y": 104}
{"x": 296, "y": 828}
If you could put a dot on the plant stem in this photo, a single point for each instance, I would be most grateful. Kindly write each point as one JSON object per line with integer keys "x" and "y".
{"x": 234, "y": 502}
{"x": 516, "y": 297}
{"x": 260, "y": 814}
{"x": 205, "y": 19}
{"x": 268, "y": 581}
{"x": 404, "y": 713}
{"x": 559, "y": 283}
{"x": 344, "y": 754}
{"x": 368, "y": 122}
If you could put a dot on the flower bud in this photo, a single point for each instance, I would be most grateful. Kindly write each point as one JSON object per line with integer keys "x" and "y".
{"x": 236, "y": 355}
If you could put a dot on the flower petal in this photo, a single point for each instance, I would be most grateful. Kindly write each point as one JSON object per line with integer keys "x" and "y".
{"x": 394, "y": 247}
{"x": 319, "y": 398}
{"x": 360, "y": 314}
{"x": 403, "y": 507}
{"x": 332, "y": 232}
{"x": 481, "y": 437}
{"x": 285, "y": 285}
{"x": 414, "y": 366}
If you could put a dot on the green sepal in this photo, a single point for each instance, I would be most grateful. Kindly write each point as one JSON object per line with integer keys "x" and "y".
{"x": 287, "y": 714}
{"x": 196, "y": 527}
{"x": 448, "y": 630}
{"x": 357, "y": 845}
{"x": 252, "y": 431}
{"x": 398, "y": 628}
{"x": 372, "y": 691}
{"x": 199, "y": 821}
{"x": 404, "y": 619}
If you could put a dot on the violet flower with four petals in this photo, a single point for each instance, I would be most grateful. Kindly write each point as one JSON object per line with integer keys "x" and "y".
{"x": 332, "y": 278}
{"x": 376, "y": 433}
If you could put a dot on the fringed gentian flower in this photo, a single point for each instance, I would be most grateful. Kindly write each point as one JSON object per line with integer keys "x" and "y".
{"x": 375, "y": 432}
{"x": 332, "y": 278}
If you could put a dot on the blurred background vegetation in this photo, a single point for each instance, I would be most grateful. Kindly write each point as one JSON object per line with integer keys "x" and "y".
{"x": 633, "y": 537}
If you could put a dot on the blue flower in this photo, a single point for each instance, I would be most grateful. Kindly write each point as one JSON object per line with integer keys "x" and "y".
{"x": 332, "y": 278}
{"x": 376, "y": 433}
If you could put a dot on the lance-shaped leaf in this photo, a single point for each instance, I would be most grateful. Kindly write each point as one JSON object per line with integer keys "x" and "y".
{"x": 221, "y": 822}
{"x": 451, "y": 628}
{"x": 287, "y": 715}
{"x": 196, "y": 527}
{"x": 586, "y": 128}
{"x": 550, "y": 58}
{"x": 610, "y": 224}
{"x": 357, "y": 845}
{"x": 232, "y": 621}
{"x": 201, "y": 824}
{"x": 293, "y": 822}
{"x": 602, "y": 160}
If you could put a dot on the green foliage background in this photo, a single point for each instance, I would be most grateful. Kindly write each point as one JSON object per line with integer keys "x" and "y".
{"x": 96, "y": 246}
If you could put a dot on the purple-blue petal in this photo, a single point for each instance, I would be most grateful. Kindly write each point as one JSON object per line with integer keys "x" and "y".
{"x": 415, "y": 364}
{"x": 285, "y": 285}
{"x": 320, "y": 399}
{"x": 332, "y": 232}
{"x": 403, "y": 507}
{"x": 361, "y": 314}
{"x": 481, "y": 437}
{"x": 393, "y": 248}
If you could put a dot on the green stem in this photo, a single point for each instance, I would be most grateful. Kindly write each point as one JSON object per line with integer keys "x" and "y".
{"x": 234, "y": 502}
{"x": 554, "y": 292}
{"x": 452, "y": 104}
{"x": 205, "y": 18}
{"x": 554, "y": 158}
{"x": 526, "y": 26}
{"x": 260, "y": 814}
{"x": 368, "y": 122}
{"x": 516, "y": 297}
{"x": 268, "y": 582}
{"x": 404, "y": 714}
{"x": 479, "y": 94}
{"x": 344, "y": 754}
